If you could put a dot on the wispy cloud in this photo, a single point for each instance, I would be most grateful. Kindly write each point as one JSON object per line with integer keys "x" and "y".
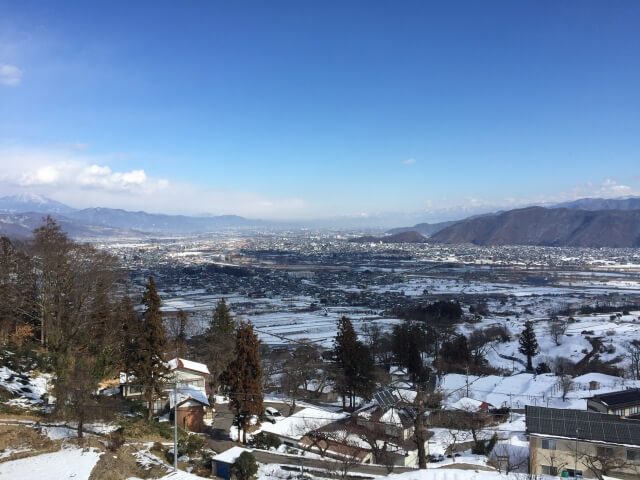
{"x": 74, "y": 146}
{"x": 408, "y": 161}
{"x": 10, "y": 75}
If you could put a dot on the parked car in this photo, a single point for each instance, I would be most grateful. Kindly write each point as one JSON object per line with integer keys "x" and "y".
{"x": 272, "y": 414}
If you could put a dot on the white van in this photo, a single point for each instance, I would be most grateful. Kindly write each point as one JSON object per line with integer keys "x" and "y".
{"x": 272, "y": 415}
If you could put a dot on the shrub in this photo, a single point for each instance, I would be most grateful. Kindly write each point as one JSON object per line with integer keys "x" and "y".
{"x": 115, "y": 440}
{"x": 245, "y": 466}
{"x": 266, "y": 441}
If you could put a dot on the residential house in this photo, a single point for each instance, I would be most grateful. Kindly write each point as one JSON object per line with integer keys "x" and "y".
{"x": 190, "y": 380}
{"x": 582, "y": 443}
{"x": 624, "y": 403}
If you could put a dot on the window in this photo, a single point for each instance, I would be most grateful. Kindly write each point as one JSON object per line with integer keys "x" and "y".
{"x": 604, "y": 451}
{"x": 634, "y": 410}
{"x": 574, "y": 473}
{"x": 547, "y": 470}
{"x": 619, "y": 411}
{"x": 633, "y": 455}
{"x": 548, "y": 444}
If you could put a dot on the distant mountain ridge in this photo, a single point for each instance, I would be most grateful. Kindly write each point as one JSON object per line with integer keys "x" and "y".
{"x": 426, "y": 229}
{"x": 19, "y": 214}
{"x": 629, "y": 203}
{"x": 402, "y": 237}
{"x": 27, "y": 202}
{"x": 548, "y": 227}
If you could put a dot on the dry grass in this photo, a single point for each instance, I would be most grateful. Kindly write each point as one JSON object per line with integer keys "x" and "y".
{"x": 22, "y": 437}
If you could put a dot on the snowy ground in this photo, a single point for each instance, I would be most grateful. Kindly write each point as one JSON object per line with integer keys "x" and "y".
{"x": 69, "y": 462}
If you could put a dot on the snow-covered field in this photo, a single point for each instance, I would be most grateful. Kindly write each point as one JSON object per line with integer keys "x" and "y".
{"x": 69, "y": 462}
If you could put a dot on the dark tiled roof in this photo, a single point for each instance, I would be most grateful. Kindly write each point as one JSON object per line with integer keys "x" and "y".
{"x": 593, "y": 426}
{"x": 619, "y": 399}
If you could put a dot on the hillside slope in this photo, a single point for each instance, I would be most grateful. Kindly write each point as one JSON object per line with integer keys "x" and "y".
{"x": 548, "y": 227}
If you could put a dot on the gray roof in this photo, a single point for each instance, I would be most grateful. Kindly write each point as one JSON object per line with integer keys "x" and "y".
{"x": 622, "y": 398}
{"x": 591, "y": 426}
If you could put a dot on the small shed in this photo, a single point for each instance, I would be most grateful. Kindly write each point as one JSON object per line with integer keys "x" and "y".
{"x": 221, "y": 463}
{"x": 191, "y": 409}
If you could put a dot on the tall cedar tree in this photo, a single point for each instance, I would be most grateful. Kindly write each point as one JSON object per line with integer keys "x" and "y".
{"x": 354, "y": 363}
{"x": 220, "y": 342}
{"x": 150, "y": 369}
{"x": 181, "y": 338}
{"x": 528, "y": 344}
{"x": 243, "y": 377}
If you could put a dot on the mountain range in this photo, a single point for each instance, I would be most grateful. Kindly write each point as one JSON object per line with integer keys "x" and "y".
{"x": 588, "y": 222}
{"x": 20, "y": 214}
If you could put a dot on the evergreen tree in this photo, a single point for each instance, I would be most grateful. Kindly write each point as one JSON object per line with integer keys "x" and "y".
{"x": 181, "y": 337}
{"x": 220, "y": 340}
{"x": 150, "y": 369}
{"x": 354, "y": 364}
{"x": 528, "y": 344}
{"x": 130, "y": 327}
{"x": 243, "y": 377}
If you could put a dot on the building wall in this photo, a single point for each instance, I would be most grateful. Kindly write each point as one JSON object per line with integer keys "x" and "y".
{"x": 564, "y": 457}
{"x": 191, "y": 418}
{"x": 623, "y": 412}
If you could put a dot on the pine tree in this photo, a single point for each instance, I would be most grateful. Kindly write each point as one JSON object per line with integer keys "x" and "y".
{"x": 243, "y": 377}
{"x": 528, "y": 344}
{"x": 150, "y": 369}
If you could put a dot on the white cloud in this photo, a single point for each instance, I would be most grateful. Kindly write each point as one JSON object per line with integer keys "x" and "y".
{"x": 409, "y": 161}
{"x": 84, "y": 181}
{"x": 10, "y": 75}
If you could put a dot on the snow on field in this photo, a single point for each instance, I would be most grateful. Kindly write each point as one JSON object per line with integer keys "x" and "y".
{"x": 69, "y": 462}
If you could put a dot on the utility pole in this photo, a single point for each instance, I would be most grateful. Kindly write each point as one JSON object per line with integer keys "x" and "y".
{"x": 575, "y": 460}
{"x": 175, "y": 427}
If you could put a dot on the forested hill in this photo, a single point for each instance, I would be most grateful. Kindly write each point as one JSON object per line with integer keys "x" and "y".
{"x": 548, "y": 227}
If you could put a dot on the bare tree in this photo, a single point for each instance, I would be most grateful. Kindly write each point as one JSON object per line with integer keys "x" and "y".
{"x": 603, "y": 462}
{"x": 565, "y": 384}
{"x": 508, "y": 459}
{"x": 557, "y": 329}
{"x": 633, "y": 354}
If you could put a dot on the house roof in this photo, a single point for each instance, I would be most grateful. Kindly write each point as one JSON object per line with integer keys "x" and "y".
{"x": 230, "y": 456}
{"x": 186, "y": 394}
{"x": 590, "y": 426}
{"x": 300, "y": 423}
{"x": 619, "y": 399}
{"x": 188, "y": 365}
{"x": 468, "y": 404}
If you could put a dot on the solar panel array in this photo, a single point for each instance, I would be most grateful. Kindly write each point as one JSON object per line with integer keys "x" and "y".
{"x": 588, "y": 425}
{"x": 386, "y": 398}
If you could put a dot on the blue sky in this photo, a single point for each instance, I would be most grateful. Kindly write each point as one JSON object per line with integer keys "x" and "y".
{"x": 319, "y": 109}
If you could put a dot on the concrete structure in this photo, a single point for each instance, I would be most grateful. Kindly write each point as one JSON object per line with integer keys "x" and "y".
{"x": 583, "y": 443}
{"x": 624, "y": 403}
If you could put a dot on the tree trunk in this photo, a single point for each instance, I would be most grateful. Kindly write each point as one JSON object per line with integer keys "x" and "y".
{"x": 529, "y": 363}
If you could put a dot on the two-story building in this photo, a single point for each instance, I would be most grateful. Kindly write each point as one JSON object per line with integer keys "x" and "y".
{"x": 624, "y": 403}
{"x": 582, "y": 443}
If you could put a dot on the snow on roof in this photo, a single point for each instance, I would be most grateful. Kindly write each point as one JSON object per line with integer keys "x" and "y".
{"x": 231, "y": 455}
{"x": 391, "y": 417}
{"x": 187, "y": 364}
{"x": 469, "y": 405}
{"x": 185, "y": 394}
{"x": 302, "y": 422}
